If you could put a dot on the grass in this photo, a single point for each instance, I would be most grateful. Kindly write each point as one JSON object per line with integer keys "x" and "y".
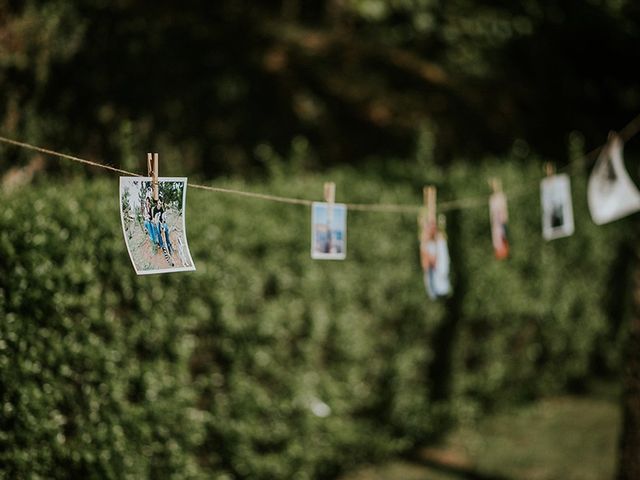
{"x": 568, "y": 438}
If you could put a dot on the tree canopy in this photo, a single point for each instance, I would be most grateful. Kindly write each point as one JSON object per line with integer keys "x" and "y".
{"x": 211, "y": 81}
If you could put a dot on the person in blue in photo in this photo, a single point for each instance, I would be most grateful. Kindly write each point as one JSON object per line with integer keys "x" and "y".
{"x": 147, "y": 217}
{"x": 161, "y": 227}
{"x": 328, "y": 231}
{"x": 434, "y": 257}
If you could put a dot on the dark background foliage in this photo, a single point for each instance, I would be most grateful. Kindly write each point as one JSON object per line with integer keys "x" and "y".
{"x": 210, "y": 81}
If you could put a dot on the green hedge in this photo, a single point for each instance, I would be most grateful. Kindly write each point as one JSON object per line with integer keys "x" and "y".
{"x": 92, "y": 376}
{"x": 218, "y": 373}
{"x": 542, "y": 321}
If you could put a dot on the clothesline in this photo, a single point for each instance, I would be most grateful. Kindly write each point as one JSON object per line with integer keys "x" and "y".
{"x": 630, "y": 130}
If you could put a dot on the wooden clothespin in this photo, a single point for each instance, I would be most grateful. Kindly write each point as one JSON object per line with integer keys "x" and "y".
{"x": 429, "y": 195}
{"x": 427, "y": 215}
{"x": 613, "y": 141}
{"x": 549, "y": 169}
{"x": 153, "y": 173}
{"x": 495, "y": 184}
{"x": 330, "y": 192}
{"x": 330, "y": 198}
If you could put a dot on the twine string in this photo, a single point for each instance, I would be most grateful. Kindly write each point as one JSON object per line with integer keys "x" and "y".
{"x": 629, "y": 131}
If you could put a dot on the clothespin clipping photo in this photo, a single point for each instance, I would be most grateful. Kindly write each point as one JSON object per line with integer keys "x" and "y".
{"x": 434, "y": 252}
{"x": 557, "y": 206}
{"x": 329, "y": 227}
{"x": 611, "y": 193}
{"x": 152, "y": 212}
{"x": 152, "y": 168}
{"x": 499, "y": 218}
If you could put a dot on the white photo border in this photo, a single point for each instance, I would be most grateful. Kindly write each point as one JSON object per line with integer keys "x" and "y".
{"x": 327, "y": 256}
{"x": 568, "y": 227}
{"x": 184, "y": 227}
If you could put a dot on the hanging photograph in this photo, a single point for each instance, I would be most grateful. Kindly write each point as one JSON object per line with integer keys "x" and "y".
{"x": 434, "y": 257}
{"x": 328, "y": 231}
{"x": 154, "y": 231}
{"x": 557, "y": 208}
{"x": 499, "y": 216}
{"x": 611, "y": 192}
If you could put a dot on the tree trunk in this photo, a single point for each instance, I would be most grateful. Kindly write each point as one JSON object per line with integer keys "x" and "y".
{"x": 629, "y": 467}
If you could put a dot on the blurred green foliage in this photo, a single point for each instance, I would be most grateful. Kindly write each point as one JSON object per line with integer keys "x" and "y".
{"x": 92, "y": 369}
{"x": 210, "y": 81}
{"x": 573, "y": 438}
{"x": 266, "y": 364}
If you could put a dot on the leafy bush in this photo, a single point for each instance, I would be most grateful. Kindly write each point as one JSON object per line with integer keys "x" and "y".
{"x": 264, "y": 363}
{"x": 538, "y": 322}
{"x": 92, "y": 366}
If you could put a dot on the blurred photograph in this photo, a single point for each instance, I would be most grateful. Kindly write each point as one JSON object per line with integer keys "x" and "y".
{"x": 328, "y": 231}
{"x": 434, "y": 258}
{"x": 499, "y": 216}
{"x": 557, "y": 207}
{"x": 611, "y": 193}
{"x": 154, "y": 231}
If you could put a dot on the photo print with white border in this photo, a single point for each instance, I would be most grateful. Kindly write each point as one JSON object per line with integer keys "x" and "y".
{"x": 611, "y": 193}
{"x": 328, "y": 231}
{"x": 557, "y": 207}
{"x": 155, "y": 232}
{"x": 434, "y": 257}
{"x": 499, "y": 216}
